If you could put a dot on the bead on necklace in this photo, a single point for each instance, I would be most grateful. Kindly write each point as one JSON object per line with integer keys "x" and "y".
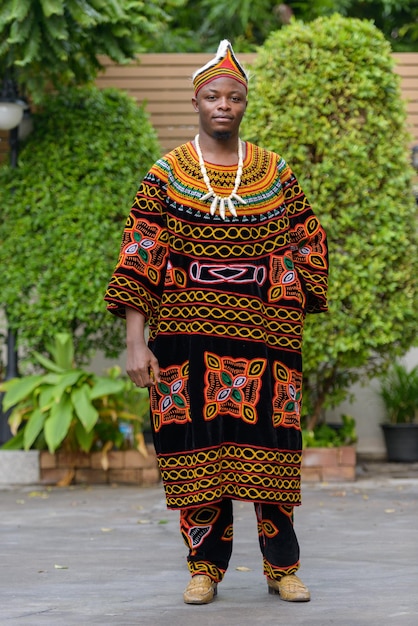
{"x": 220, "y": 202}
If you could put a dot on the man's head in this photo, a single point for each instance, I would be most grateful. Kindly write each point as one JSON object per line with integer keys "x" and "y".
{"x": 220, "y": 94}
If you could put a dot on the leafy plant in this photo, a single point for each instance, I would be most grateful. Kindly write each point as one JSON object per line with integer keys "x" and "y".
{"x": 70, "y": 408}
{"x": 325, "y": 95}
{"x": 331, "y": 436}
{"x": 399, "y": 392}
{"x": 61, "y": 41}
{"x": 197, "y": 26}
{"x": 62, "y": 215}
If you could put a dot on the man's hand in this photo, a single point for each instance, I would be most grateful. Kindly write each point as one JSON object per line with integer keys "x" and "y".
{"x": 141, "y": 365}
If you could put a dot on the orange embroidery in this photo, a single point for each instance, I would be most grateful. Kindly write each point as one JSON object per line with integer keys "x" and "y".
{"x": 169, "y": 398}
{"x": 144, "y": 248}
{"x": 287, "y": 396}
{"x": 232, "y": 386}
{"x": 285, "y": 283}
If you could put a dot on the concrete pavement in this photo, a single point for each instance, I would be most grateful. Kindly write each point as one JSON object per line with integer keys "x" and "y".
{"x": 113, "y": 556}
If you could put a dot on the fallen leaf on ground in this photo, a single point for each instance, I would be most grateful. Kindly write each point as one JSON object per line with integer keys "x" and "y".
{"x": 38, "y": 494}
{"x": 60, "y": 566}
{"x": 241, "y": 568}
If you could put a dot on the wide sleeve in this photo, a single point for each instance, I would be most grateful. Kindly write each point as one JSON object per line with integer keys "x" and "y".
{"x": 138, "y": 278}
{"x": 308, "y": 243}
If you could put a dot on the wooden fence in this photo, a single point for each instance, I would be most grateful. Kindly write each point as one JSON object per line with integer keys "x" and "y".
{"x": 163, "y": 82}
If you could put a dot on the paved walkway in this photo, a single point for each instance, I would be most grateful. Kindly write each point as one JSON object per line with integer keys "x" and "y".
{"x": 113, "y": 556}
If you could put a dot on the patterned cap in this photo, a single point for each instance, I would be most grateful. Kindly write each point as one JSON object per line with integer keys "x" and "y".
{"x": 224, "y": 64}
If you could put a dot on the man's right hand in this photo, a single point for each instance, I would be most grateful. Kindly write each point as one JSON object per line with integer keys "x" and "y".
{"x": 141, "y": 365}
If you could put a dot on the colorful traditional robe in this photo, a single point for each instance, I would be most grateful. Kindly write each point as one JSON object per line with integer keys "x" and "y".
{"x": 225, "y": 302}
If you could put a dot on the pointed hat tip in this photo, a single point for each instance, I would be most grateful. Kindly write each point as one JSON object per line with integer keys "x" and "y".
{"x": 222, "y": 48}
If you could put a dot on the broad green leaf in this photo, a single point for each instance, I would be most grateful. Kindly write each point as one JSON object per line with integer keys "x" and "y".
{"x": 48, "y": 363}
{"x": 64, "y": 350}
{"x": 58, "y": 423}
{"x": 31, "y": 48}
{"x": 16, "y": 417}
{"x": 51, "y": 378}
{"x": 52, "y": 7}
{"x": 33, "y": 428}
{"x": 18, "y": 389}
{"x": 47, "y": 397}
{"x": 19, "y": 10}
{"x": 84, "y": 438}
{"x": 15, "y": 443}
{"x": 106, "y": 386}
{"x": 86, "y": 412}
{"x": 66, "y": 382}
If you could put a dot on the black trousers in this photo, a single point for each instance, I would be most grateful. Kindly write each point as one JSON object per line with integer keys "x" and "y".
{"x": 208, "y": 533}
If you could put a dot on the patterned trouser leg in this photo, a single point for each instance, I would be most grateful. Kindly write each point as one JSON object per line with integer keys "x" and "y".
{"x": 207, "y": 532}
{"x": 278, "y": 541}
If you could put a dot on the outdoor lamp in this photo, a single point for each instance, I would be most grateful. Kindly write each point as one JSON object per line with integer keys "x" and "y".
{"x": 11, "y": 108}
{"x": 11, "y": 114}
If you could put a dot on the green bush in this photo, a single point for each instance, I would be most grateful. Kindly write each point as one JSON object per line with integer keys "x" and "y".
{"x": 63, "y": 212}
{"x": 325, "y": 95}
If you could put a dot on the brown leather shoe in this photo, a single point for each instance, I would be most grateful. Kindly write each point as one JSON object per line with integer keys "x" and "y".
{"x": 200, "y": 590}
{"x": 289, "y": 588}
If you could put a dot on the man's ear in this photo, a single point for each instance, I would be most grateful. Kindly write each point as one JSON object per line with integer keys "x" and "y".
{"x": 195, "y": 104}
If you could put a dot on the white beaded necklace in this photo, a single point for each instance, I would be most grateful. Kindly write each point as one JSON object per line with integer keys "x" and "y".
{"x": 223, "y": 202}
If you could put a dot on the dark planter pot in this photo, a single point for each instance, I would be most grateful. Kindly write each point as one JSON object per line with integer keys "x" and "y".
{"x": 401, "y": 442}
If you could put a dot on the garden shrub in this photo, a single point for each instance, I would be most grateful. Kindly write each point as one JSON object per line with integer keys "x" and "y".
{"x": 63, "y": 211}
{"x": 325, "y": 95}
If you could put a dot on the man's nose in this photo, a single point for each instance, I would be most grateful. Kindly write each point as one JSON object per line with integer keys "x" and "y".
{"x": 223, "y": 103}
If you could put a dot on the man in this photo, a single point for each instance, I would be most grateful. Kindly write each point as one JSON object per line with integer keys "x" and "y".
{"x": 222, "y": 256}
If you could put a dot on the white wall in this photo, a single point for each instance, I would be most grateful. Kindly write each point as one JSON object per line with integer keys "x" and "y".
{"x": 368, "y": 411}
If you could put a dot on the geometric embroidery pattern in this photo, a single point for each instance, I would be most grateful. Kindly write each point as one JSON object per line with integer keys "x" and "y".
{"x": 232, "y": 386}
{"x": 169, "y": 398}
{"x": 287, "y": 399}
{"x": 230, "y": 470}
{"x": 199, "y": 311}
{"x": 266, "y": 527}
{"x": 275, "y": 573}
{"x": 284, "y": 279}
{"x": 196, "y": 524}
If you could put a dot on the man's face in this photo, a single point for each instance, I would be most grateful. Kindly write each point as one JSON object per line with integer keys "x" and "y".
{"x": 221, "y": 106}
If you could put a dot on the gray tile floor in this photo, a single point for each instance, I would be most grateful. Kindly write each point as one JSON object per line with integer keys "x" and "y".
{"x": 114, "y": 556}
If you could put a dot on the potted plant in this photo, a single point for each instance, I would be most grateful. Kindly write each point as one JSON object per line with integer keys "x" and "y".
{"x": 399, "y": 392}
{"x": 69, "y": 410}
